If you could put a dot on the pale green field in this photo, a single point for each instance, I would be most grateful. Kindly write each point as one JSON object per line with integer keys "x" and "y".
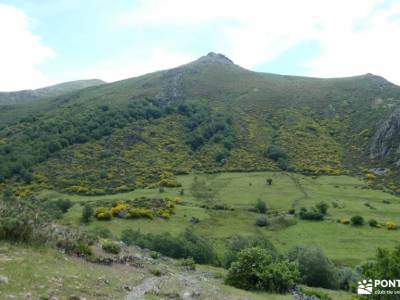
{"x": 342, "y": 243}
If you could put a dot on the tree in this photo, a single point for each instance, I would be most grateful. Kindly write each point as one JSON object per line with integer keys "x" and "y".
{"x": 314, "y": 267}
{"x": 261, "y": 206}
{"x": 256, "y": 269}
{"x": 385, "y": 266}
{"x": 275, "y": 153}
{"x": 87, "y": 213}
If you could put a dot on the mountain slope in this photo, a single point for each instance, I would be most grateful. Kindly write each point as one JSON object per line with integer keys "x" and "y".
{"x": 209, "y": 115}
{"x": 19, "y": 97}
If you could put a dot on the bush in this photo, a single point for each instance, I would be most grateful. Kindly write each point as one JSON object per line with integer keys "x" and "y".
{"x": 313, "y": 214}
{"x": 185, "y": 245}
{"x": 261, "y": 206}
{"x": 154, "y": 255}
{"x": 87, "y": 213}
{"x": 357, "y": 221}
{"x": 57, "y": 207}
{"x": 83, "y": 249}
{"x": 314, "y": 267}
{"x": 256, "y": 269}
{"x": 103, "y": 214}
{"x": 189, "y": 263}
{"x": 373, "y": 223}
{"x": 322, "y": 207}
{"x": 391, "y": 226}
{"x": 119, "y": 209}
{"x": 261, "y": 221}
{"x": 135, "y": 213}
{"x": 111, "y": 247}
{"x": 238, "y": 243}
{"x": 20, "y": 221}
{"x": 155, "y": 271}
{"x": 347, "y": 278}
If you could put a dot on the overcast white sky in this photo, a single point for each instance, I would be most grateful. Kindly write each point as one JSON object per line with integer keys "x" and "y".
{"x": 69, "y": 39}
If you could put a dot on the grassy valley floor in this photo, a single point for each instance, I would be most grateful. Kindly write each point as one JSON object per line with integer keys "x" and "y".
{"x": 346, "y": 196}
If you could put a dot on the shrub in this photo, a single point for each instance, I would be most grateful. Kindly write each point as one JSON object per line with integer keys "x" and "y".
{"x": 269, "y": 181}
{"x": 83, "y": 249}
{"x": 256, "y": 269}
{"x": 135, "y": 213}
{"x": 119, "y": 209}
{"x": 261, "y": 206}
{"x": 238, "y": 243}
{"x": 313, "y": 214}
{"x": 322, "y": 207}
{"x": 185, "y": 245}
{"x": 111, "y": 247}
{"x": 280, "y": 222}
{"x": 373, "y": 223}
{"x": 345, "y": 221}
{"x": 188, "y": 263}
{"x": 103, "y": 214}
{"x": 87, "y": 213}
{"x": 57, "y": 207}
{"x": 314, "y": 267}
{"x": 261, "y": 221}
{"x": 155, "y": 271}
{"x": 347, "y": 278}
{"x": 20, "y": 221}
{"x": 292, "y": 211}
{"x": 357, "y": 220}
{"x": 154, "y": 255}
{"x": 391, "y": 226}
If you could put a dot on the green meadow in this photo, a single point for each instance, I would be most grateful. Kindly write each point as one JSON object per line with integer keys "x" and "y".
{"x": 347, "y": 196}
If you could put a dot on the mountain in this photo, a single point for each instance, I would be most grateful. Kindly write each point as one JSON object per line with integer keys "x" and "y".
{"x": 46, "y": 92}
{"x": 209, "y": 115}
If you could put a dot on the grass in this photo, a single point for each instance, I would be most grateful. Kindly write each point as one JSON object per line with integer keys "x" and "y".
{"x": 43, "y": 272}
{"x": 344, "y": 244}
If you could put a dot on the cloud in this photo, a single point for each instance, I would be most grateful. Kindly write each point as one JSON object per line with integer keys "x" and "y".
{"x": 355, "y": 36}
{"x": 371, "y": 48}
{"x": 21, "y": 52}
{"x": 133, "y": 64}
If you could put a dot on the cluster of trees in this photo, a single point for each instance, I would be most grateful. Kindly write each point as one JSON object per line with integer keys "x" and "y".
{"x": 204, "y": 126}
{"x": 36, "y": 138}
{"x": 275, "y": 153}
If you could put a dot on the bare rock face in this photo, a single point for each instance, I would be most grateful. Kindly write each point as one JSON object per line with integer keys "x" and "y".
{"x": 387, "y": 137}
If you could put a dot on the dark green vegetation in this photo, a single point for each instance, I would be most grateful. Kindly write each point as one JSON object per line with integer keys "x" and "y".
{"x": 209, "y": 115}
